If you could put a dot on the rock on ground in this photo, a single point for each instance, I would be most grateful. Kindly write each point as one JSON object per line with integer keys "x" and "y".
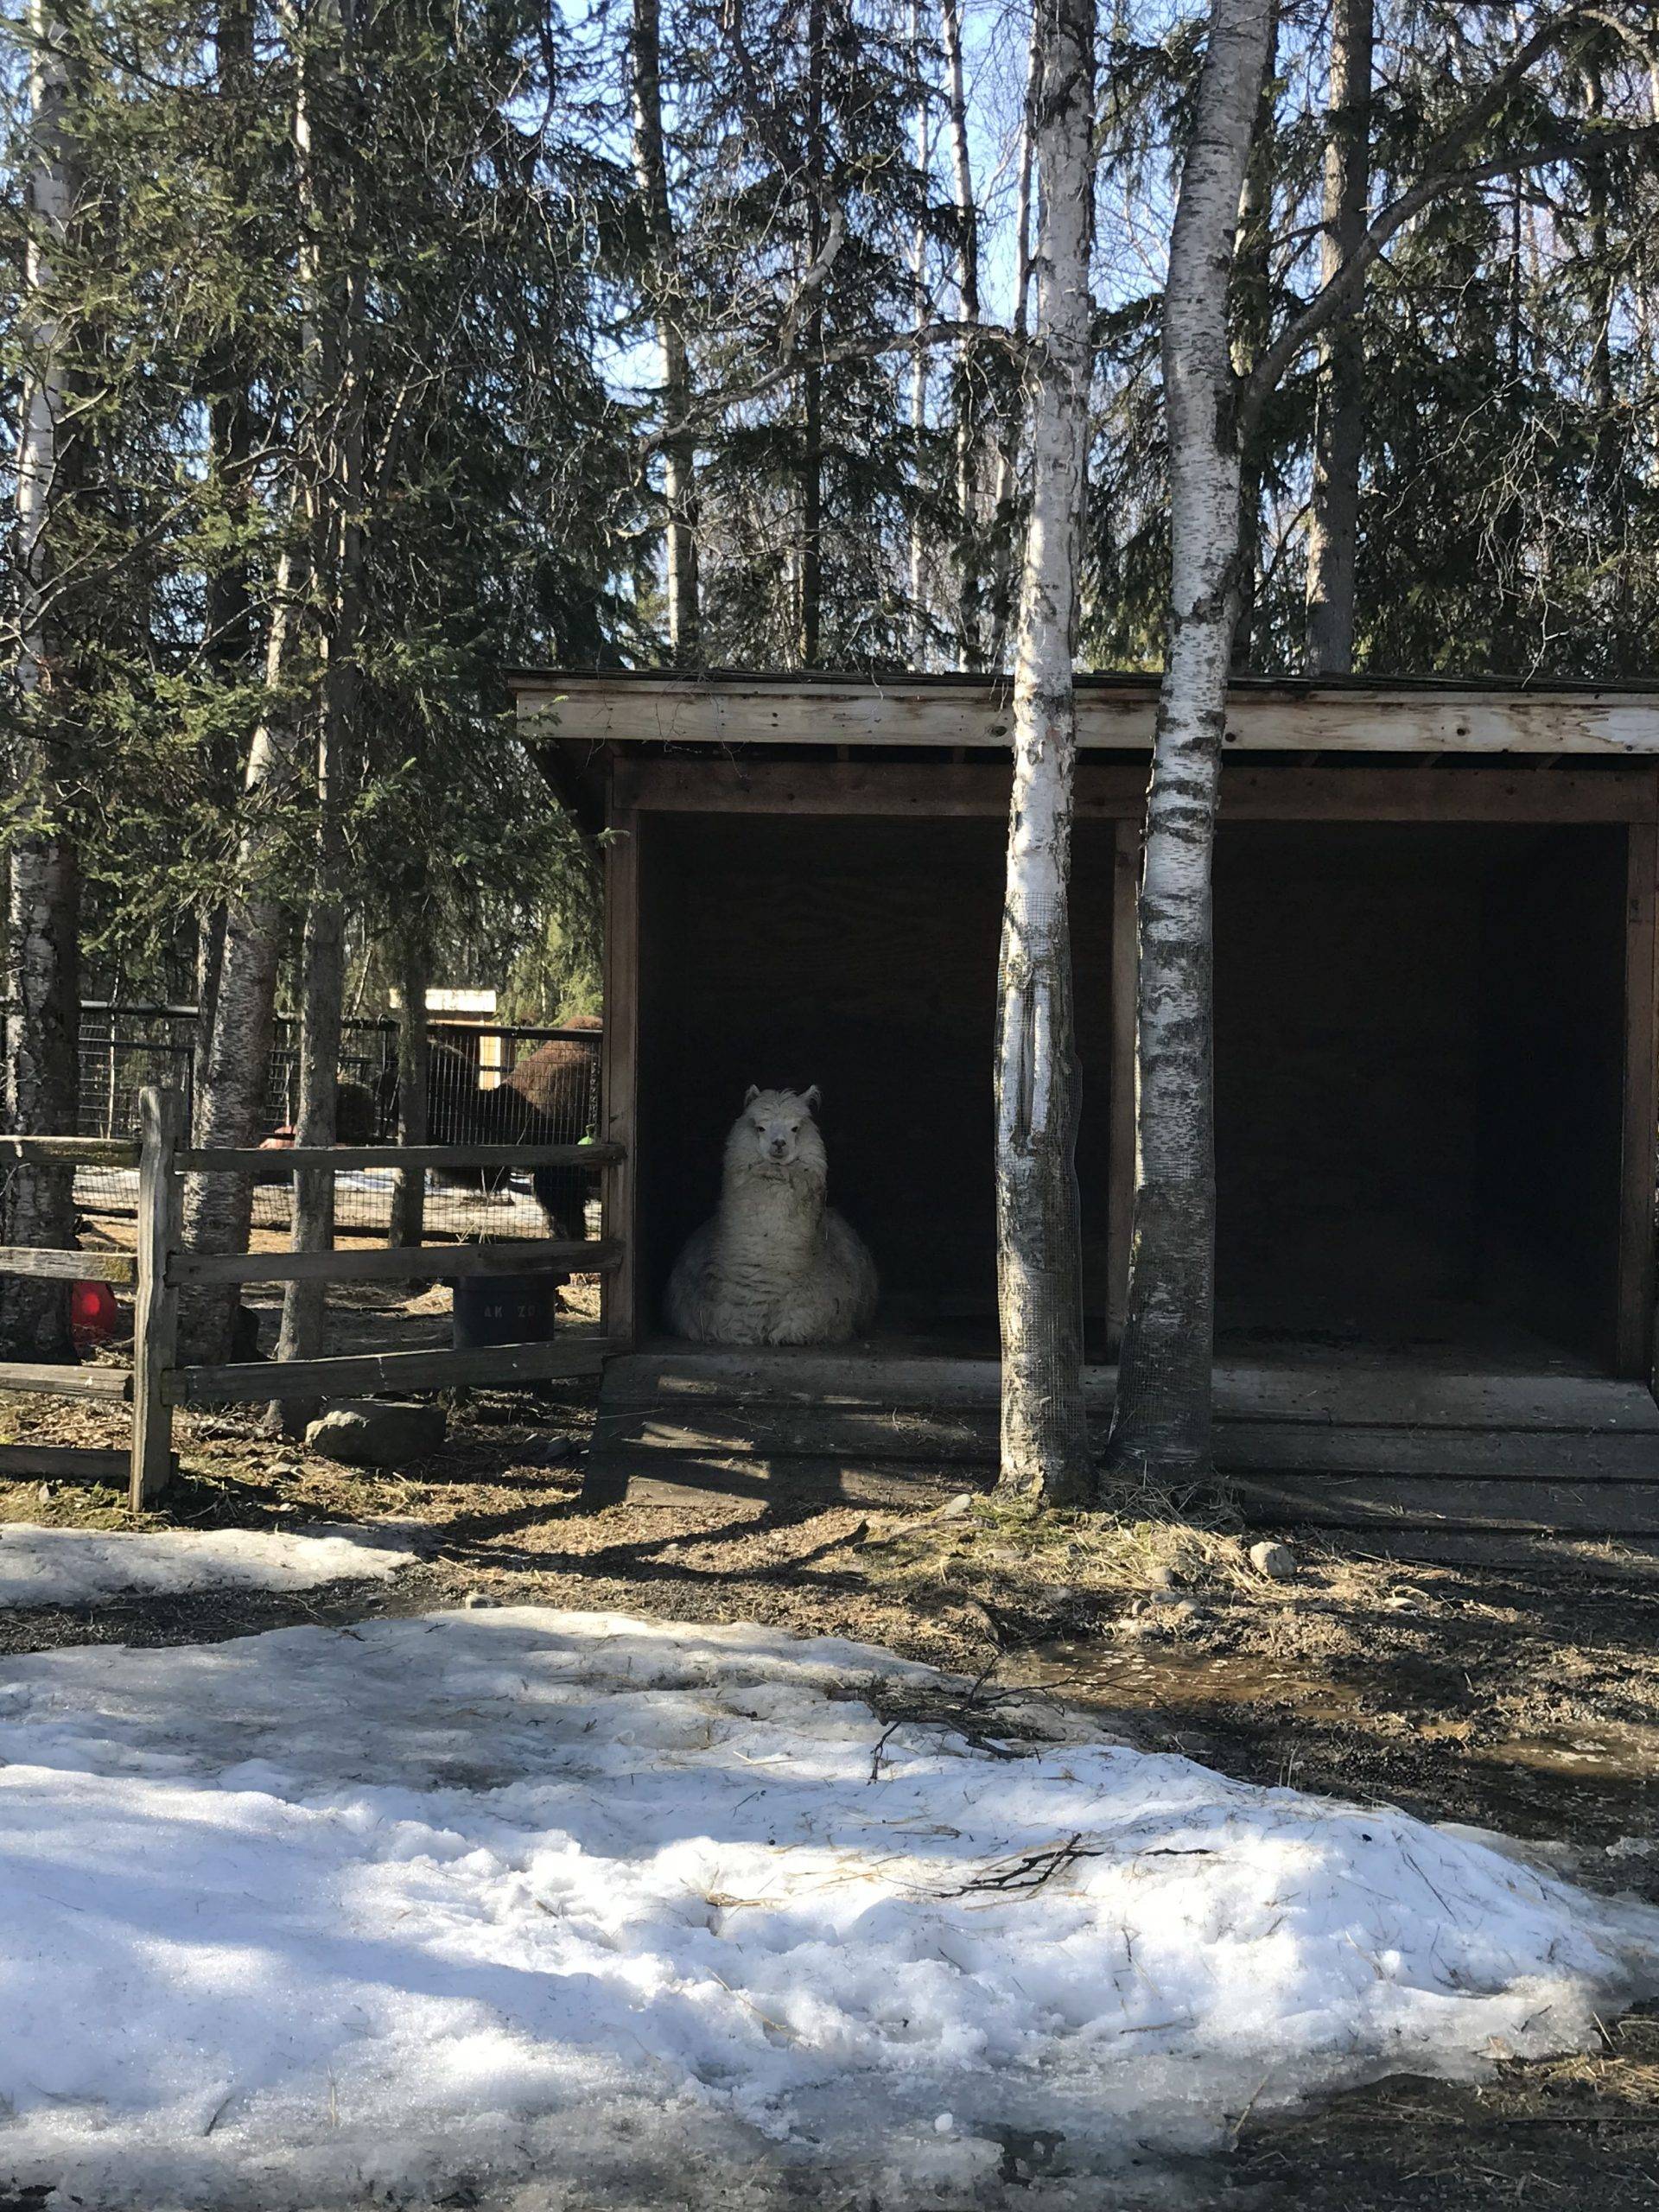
{"x": 1276, "y": 1561}
{"x": 377, "y": 1433}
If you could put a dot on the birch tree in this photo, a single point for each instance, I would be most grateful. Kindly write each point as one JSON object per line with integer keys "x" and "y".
{"x": 1005, "y": 479}
{"x": 218, "y": 1207}
{"x": 1161, "y": 1423}
{"x": 969, "y": 550}
{"x": 1161, "y": 1419}
{"x": 336, "y": 500}
{"x": 665, "y": 286}
{"x": 1040, "y": 1288}
{"x": 43, "y": 964}
{"x": 920, "y": 621}
{"x": 1339, "y": 422}
{"x": 231, "y": 643}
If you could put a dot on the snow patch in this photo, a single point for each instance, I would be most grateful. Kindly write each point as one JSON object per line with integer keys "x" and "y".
{"x": 73, "y": 1566}
{"x": 659, "y": 1913}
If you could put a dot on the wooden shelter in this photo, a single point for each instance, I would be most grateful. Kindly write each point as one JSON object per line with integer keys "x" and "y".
{"x": 1435, "y": 1009}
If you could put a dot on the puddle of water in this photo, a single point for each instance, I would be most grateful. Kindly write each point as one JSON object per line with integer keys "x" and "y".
{"x": 1139, "y": 1681}
{"x": 1610, "y": 1754}
{"x": 1617, "y": 1764}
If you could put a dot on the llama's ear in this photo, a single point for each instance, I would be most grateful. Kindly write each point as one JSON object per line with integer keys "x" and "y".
{"x": 751, "y": 1094}
{"x": 813, "y": 1099}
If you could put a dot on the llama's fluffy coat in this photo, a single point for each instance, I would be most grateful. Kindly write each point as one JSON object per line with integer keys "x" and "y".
{"x": 776, "y": 1265}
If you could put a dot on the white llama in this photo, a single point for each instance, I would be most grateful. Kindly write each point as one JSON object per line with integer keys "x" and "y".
{"x": 776, "y": 1265}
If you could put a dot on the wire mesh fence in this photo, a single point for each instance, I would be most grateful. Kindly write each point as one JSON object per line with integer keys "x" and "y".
{"x": 488, "y": 1083}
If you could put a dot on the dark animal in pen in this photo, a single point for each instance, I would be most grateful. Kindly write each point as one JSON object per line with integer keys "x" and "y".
{"x": 558, "y": 1085}
{"x": 547, "y": 1099}
{"x": 354, "y": 1114}
{"x": 355, "y": 1118}
{"x": 457, "y": 1112}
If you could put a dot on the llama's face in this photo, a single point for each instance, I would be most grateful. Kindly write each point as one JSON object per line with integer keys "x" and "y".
{"x": 775, "y": 1125}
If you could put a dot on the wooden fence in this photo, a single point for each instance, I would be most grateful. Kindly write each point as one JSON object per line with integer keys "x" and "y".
{"x": 159, "y": 1269}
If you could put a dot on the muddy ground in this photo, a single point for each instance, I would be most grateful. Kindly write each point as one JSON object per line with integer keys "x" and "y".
{"x": 1523, "y": 1697}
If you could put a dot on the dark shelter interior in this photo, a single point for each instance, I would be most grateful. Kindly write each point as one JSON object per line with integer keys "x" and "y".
{"x": 1418, "y": 1084}
{"x": 859, "y": 955}
{"x": 1418, "y": 1040}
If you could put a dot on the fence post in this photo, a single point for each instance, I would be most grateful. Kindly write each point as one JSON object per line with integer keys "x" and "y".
{"x": 155, "y": 1321}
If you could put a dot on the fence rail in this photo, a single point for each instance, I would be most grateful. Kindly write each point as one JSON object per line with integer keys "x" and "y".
{"x": 590, "y": 1255}
{"x": 488, "y": 1081}
{"x": 159, "y": 1269}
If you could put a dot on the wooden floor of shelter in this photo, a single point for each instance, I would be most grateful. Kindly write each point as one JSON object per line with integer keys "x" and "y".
{"x": 1303, "y": 1438}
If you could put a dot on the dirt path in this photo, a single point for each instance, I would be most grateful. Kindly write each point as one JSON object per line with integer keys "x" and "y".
{"x": 1521, "y": 1698}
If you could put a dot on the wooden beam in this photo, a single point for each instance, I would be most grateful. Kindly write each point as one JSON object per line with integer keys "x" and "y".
{"x": 925, "y": 790}
{"x": 1467, "y": 790}
{"x": 675, "y": 1375}
{"x": 1251, "y": 791}
{"x": 67, "y": 1267}
{"x": 1634, "y": 1346}
{"x": 1126, "y": 970}
{"x": 66, "y": 1382}
{"x": 582, "y": 712}
{"x": 403, "y": 1264}
{"x": 355, "y": 1160}
{"x": 619, "y": 1072}
{"x": 248, "y": 1381}
{"x": 64, "y": 1463}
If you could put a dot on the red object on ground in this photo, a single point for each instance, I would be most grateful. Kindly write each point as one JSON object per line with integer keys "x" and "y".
{"x": 93, "y": 1319}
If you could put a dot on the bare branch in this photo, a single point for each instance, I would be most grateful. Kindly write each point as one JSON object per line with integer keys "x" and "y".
{"x": 1303, "y": 329}
{"x": 1443, "y": 171}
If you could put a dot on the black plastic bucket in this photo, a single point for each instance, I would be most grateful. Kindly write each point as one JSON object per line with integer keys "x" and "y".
{"x": 504, "y": 1310}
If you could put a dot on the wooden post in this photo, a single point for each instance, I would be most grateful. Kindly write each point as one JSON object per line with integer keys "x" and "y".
{"x": 1120, "y": 1195}
{"x": 1634, "y": 1346}
{"x": 155, "y": 1320}
{"x": 620, "y": 1070}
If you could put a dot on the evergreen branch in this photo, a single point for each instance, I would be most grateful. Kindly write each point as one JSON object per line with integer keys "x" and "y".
{"x": 829, "y": 209}
{"x": 950, "y": 331}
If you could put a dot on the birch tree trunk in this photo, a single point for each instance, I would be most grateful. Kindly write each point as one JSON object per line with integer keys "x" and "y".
{"x": 1251, "y": 319}
{"x": 1040, "y": 1292}
{"x": 919, "y": 625}
{"x": 42, "y": 962}
{"x": 210, "y": 961}
{"x": 970, "y": 562}
{"x": 1162, "y": 1423}
{"x": 1340, "y": 420}
{"x": 339, "y": 496}
{"x": 1012, "y": 427}
{"x": 323, "y": 978}
{"x": 679, "y": 454}
{"x": 231, "y": 643}
{"x": 218, "y": 1207}
{"x": 408, "y": 1223}
{"x": 811, "y": 592}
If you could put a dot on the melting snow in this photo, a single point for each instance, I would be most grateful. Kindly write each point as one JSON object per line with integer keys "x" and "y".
{"x": 616, "y": 1912}
{"x": 73, "y": 1566}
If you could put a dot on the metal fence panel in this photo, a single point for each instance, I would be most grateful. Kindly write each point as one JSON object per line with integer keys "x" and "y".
{"x": 490, "y": 1083}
